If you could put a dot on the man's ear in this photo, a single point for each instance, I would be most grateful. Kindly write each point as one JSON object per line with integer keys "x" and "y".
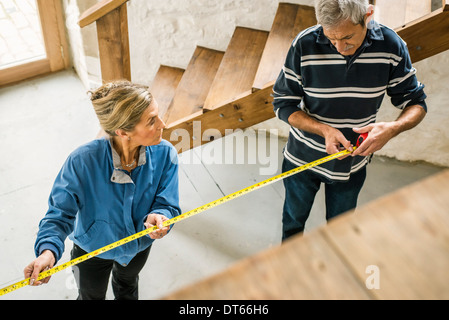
{"x": 369, "y": 14}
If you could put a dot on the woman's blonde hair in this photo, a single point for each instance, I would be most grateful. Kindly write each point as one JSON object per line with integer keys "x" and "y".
{"x": 120, "y": 105}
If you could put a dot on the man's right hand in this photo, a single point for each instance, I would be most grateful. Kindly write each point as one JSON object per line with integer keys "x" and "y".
{"x": 335, "y": 140}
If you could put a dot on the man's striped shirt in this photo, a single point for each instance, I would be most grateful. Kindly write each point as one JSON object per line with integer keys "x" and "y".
{"x": 344, "y": 92}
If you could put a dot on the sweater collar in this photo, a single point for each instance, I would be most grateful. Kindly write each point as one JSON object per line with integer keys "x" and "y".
{"x": 119, "y": 175}
{"x": 374, "y": 32}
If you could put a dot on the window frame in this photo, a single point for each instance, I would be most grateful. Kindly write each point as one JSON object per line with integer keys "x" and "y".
{"x": 56, "y": 47}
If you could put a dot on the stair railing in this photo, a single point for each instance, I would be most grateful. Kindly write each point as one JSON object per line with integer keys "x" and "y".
{"x": 112, "y": 31}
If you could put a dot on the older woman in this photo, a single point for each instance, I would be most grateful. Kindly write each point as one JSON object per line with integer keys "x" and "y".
{"x": 109, "y": 189}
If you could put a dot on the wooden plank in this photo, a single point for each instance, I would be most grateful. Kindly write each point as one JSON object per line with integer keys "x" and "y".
{"x": 113, "y": 43}
{"x": 290, "y": 19}
{"x": 396, "y": 13}
{"x": 99, "y": 10}
{"x": 28, "y": 70}
{"x": 238, "y": 68}
{"x": 427, "y": 36}
{"x": 195, "y": 83}
{"x": 405, "y": 235}
{"x": 302, "y": 268}
{"x": 164, "y": 87}
{"x": 244, "y": 112}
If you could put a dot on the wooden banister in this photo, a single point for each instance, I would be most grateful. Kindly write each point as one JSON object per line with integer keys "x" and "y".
{"x": 112, "y": 31}
{"x": 99, "y": 10}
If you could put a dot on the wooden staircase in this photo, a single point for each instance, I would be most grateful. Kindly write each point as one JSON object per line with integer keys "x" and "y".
{"x": 240, "y": 94}
{"x": 232, "y": 90}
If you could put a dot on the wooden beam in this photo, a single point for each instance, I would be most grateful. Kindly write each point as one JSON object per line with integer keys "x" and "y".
{"x": 245, "y": 111}
{"x": 395, "y": 247}
{"x": 405, "y": 235}
{"x": 298, "y": 270}
{"x": 113, "y": 43}
{"x": 99, "y": 10}
{"x": 428, "y": 35}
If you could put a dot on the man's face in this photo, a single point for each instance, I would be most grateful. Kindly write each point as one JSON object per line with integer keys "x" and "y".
{"x": 346, "y": 37}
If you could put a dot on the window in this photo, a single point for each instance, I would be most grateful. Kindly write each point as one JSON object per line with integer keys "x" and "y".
{"x": 32, "y": 39}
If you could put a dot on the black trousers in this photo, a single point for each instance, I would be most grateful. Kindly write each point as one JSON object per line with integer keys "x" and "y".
{"x": 92, "y": 276}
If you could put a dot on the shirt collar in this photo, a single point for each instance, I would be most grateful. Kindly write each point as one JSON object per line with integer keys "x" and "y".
{"x": 374, "y": 32}
{"x": 119, "y": 175}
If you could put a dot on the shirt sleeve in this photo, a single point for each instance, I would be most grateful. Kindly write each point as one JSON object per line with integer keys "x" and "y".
{"x": 404, "y": 89}
{"x": 63, "y": 205}
{"x": 166, "y": 201}
{"x": 288, "y": 90}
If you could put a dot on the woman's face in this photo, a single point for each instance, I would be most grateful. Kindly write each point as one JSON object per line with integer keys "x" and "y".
{"x": 148, "y": 131}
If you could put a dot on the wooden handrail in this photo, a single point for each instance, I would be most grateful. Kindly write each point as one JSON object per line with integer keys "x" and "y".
{"x": 113, "y": 42}
{"x": 99, "y": 10}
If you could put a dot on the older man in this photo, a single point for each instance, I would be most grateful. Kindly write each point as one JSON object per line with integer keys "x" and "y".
{"x": 330, "y": 89}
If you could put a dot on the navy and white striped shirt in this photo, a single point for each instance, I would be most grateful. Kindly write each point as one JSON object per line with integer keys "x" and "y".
{"x": 344, "y": 92}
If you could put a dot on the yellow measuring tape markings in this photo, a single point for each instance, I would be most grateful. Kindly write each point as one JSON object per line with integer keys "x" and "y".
{"x": 174, "y": 220}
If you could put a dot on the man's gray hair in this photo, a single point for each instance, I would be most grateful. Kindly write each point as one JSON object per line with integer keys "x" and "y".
{"x": 330, "y": 13}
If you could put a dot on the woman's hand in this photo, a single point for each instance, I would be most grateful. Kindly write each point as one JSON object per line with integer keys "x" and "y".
{"x": 44, "y": 262}
{"x": 154, "y": 219}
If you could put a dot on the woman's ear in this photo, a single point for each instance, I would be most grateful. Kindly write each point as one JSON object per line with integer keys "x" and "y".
{"x": 122, "y": 134}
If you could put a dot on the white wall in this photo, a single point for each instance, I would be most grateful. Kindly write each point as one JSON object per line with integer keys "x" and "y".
{"x": 167, "y": 32}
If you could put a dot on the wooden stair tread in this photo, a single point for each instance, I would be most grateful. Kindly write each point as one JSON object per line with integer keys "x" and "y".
{"x": 194, "y": 86}
{"x": 164, "y": 86}
{"x": 238, "y": 68}
{"x": 395, "y": 14}
{"x": 290, "y": 19}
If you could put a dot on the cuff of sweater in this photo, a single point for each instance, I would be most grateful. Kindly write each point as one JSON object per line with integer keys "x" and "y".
{"x": 285, "y": 113}
{"x": 51, "y": 247}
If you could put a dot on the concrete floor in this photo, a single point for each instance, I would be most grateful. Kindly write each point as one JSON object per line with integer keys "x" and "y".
{"x": 43, "y": 120}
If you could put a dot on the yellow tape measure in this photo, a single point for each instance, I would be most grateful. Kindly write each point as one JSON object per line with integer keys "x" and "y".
{"x": 174, "y": 220}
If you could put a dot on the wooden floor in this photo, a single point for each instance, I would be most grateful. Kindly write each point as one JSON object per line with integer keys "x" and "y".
{"x": 396, "y": 247}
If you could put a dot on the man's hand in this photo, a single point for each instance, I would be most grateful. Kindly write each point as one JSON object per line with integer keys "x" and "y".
{"x": 382, "y": 132}
{"x": 335, "y": 140}
{"x": 333, "y": 137}
{"x": 378, "y": 136}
